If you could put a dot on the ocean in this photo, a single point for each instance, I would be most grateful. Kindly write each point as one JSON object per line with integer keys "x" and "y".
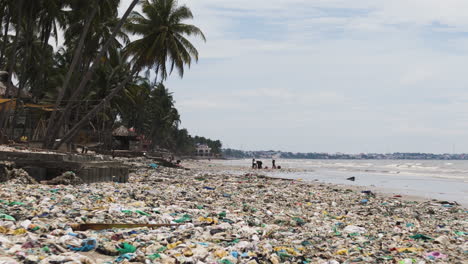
{"x": 430, "y": 179}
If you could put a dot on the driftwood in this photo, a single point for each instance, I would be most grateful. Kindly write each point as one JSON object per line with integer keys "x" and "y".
{"x": 84, "y": 227}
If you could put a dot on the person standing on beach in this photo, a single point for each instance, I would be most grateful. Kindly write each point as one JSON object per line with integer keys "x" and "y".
{"x": 273, "y": 165}
{"x": 254, "y": 165}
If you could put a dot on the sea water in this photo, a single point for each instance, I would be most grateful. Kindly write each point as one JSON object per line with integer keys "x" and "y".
{"x": 431, "y": 179}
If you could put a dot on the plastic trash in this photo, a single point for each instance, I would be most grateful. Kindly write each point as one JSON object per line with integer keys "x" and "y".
{"x": 184, "y": 218}
{"x": 435, "y": 255}
{"x": 87, "y": 245}
{"x": 126, "y": 256}
{"x": 421, "y": 236}
{"x": 125, "y": 248}
{"x": 354, "y": 229}
{"x": 167, "y": 216}
{"x": 7, "y": 217}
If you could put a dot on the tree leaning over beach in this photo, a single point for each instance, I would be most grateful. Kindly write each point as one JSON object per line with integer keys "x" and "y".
{"x": 84, "y": 81}
{"x": 163, "y": 43}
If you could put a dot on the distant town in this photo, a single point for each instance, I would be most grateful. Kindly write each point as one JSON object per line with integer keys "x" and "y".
{"x": 240, "y": 154}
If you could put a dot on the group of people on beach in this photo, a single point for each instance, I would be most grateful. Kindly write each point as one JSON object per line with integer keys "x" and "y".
{"x": 259, "y": 165}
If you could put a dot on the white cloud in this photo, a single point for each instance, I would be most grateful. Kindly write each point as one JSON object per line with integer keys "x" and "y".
{"x": 329, "y": 75}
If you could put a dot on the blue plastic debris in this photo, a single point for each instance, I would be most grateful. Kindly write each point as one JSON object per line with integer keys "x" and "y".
{"x": 128, "y": 256}
{"x": 87, "y": 245}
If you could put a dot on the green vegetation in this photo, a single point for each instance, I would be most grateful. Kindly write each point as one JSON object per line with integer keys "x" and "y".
{"x": 108, "y": 72}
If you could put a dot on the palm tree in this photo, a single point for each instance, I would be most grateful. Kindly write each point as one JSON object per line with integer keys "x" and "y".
{"x": 87, "y": 77}
{"x": 18, "y": 11}
{"x": 163, "y": 41}
{"x": 163, "y": 37}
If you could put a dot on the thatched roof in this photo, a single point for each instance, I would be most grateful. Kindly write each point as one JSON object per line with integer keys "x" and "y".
{"x": 122, "y": 131}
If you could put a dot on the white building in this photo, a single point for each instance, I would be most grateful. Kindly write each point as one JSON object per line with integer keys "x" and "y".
{"x": 203, "y": 150}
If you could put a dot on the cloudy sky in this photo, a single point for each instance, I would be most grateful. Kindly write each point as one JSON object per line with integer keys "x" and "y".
{"x": 329, "y": 75}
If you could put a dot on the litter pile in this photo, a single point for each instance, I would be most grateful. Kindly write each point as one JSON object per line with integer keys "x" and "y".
{"x": 205, "y": 216}
{"x": 67, "y": 178}
{"x": 14, "y": 175}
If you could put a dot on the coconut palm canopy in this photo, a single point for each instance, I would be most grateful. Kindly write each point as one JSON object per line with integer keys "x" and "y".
{"x": 91, "y": 79}
{"x": 163, "y": 37}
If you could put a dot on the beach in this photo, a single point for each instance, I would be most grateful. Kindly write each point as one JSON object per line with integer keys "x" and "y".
{"x": 221, "y": 213}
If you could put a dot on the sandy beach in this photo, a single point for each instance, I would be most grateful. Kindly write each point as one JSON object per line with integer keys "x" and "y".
{"x": 224, "y": 218}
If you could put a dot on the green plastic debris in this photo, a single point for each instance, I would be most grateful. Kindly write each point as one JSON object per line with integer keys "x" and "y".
{"x": 284, "y": 255}
{"x": 299, "y": 221}
{"x": 154, "y": 256}
{"x": 306, "y": 243}
{"x": 227, "y": 221}
{"x": 142, "y": 213}
{"x": 125, "y": 248}
{"x": 235, "y": 241}
{"x": 460, "y": 233}
{"x": 222, "y": 214}
{"x": 225, "y": 261}
{"x": 161, "y": 249}
{"x": 15, "y": 203}
{"x": 421, "y": 236}
{"x": 184, "y": 218}
{"x": 200, "y": 207}
{"x": 337, "y": 233}
{"x": 136, "y": 211}
{"x": 7, "y": 217}
{"x": 46, "y": 249}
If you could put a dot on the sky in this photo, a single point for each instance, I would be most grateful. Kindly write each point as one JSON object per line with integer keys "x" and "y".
{"x": 346, "y": 76}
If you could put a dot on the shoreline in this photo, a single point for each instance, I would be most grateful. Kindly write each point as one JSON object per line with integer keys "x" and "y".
{"x": 388, "y": 191}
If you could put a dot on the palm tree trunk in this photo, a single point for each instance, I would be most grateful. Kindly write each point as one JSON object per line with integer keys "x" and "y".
{"x": 72, "y": 132}
{"x": 12, "y": 63}
{"x": 2, "y": 13}
{"x": 95, "y": 63}
{"x": 76, "y": 59}
{"x": 26, "y": 62}
{"x": 5, "y": 39}
{"x": 45, "y": 35}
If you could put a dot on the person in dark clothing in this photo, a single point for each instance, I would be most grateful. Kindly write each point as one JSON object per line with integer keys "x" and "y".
{"x": 273, "y": 165}
{"x": 254, "y": 165}
{"x": 259, "y": 164}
